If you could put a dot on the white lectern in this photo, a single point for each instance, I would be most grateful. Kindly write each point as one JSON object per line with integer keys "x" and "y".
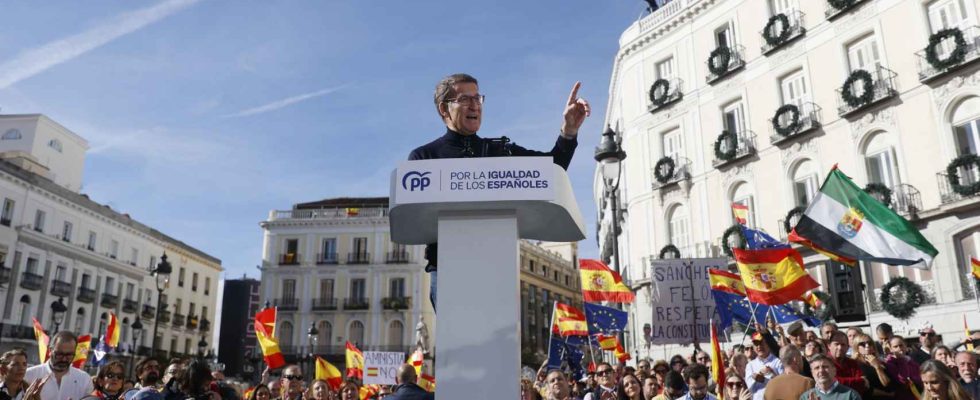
{"x": 477, "y": 209}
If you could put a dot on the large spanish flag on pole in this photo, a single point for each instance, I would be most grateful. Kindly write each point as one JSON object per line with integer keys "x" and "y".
{"x": 844, "y": 220}
{"x": 599, "y": 283}
{"x": 328, "y": 373}
{"x": 741, "y": 213}
{"x": 717, "y": 363}
{"x": 569, "y": 321}
{"x": 975, "y": 267}
{"x": 265, "y": 330}
{"x": 773, "y": 276}
{"x": 355, "y": 361}
{"x": 112, "y": 331}
{"x": 81, "y": 351}
{"x": 42, "y": 341}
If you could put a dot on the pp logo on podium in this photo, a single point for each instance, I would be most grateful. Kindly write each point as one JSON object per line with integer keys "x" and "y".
{"x": 415, "y": 180}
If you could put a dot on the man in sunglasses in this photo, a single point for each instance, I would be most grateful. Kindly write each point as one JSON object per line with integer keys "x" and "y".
{"x": 292, "y": 383}
{"x": 606, "y": 377}
{"x": 460, "y": 105}
{"x": 927, "y": 340}
{"x": 764, "y": 367}
{"x": 63, "y": 380}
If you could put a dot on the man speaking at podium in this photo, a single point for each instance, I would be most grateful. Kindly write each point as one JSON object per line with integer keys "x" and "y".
{"x": 460, "y": 105}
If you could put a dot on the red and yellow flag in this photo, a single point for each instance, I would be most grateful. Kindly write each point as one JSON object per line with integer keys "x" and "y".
{"x": 367, "y": 391}
{"x": 812, "y": 300}
{"x": 717, "y": 363}
{"x": 741, "y": 212}
{"x": 725, "y": 281}
{"x": 568, "y": 321}
{"x": 329, "y": 373}
{"x": 975, "y": 267}
{"x": 773, "y": 276}
{"x": 112, "y": 331}
{"x": 621, "y": 354}
{"x": 415, "y": 359}
{"x": 969, "y": 343}
{"x": 355, "y": 361}
{"x": 248, "y": 393}
{"x": 265, "y": 332}
{"x": 42, "y": 341}
{"x": 81, "y": 351}
{"x": 793, "y": 237}
{"x": 607, "y": 342}
{"x": 427, "y": 382}
{"x": 599, "y": 283}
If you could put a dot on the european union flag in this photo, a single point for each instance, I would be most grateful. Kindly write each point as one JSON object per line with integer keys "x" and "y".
{"x": 566, "y": 354}
{"x": 604, "y": 320}
{"x": 732, "y": 307}
{"x": 755, "y": 240}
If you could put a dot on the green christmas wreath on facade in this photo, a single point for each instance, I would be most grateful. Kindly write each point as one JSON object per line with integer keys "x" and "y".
{"x": 733, "y": 230}
{"x": 841, "y": 4}
{"x": 732, "y": 141}
{"x": 953, "y": 174}
{"x": 796, "y": 211}
{"x": 883, "y": 191}
{"x": 900, "y": 297}
{"x": 774, "y": 39}
{"x": 719, "y": 60}
{"x": 660, "y": 86}
{"x": 794, "y": 124}
{"x": 867, "y": 82}
{"x": 670, "y": 250}
{"x": 955, "y": 57}
{"x": 665, "y": 163}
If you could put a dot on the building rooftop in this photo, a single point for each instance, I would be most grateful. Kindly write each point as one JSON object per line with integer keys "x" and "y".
{"x": 344, "y": 202}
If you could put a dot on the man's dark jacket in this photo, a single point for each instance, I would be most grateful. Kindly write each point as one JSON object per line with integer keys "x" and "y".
{"x": 411, "y": 391}
{"x": 455, "y": 145}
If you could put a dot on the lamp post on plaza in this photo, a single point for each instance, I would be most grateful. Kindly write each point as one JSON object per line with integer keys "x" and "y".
{"x": 137, "y": 329}
{"x": 58, "y": 310}
{"x": 610, "y": 157}
{"x": 312, "y": 336}
{"x": 202, "y": 347}
{"x": 162, "y": 274}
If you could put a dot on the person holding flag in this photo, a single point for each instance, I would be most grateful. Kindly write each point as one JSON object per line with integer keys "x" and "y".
{"x": 62, "y": 381}
{"x": 355, "y": 361}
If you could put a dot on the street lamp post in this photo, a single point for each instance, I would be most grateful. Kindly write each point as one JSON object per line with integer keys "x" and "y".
{"x": 58, "y": 310}
{"x": 137, "y": 329}
{"x": 312, "y": 338}
{"x": 162, "y": 274}
{"x": 202, "y": 347}
{"x": 610, "y": 157}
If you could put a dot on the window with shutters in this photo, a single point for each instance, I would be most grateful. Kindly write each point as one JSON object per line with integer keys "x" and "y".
{"x": 742, "y": 194}
{"x": 665, "y": 69}
{"x": 724, "y": 36}
{"x": 805, "y": 184}
{"x": 864, "y": 54}
{"x": 945, "y": 14}
{"x": 782, "y": 6}
{"x": 39, "y": 221}
{"x": 794, "y": 89}
{"x": 673, "y": 146}
{"x": 357, "y": 287}
{"x": 679, "y": 228}
{"x": 326, "y": 288}
{"x": 396, "y": 287}
{"x": 289, "y": 289}
{"x": 879, "y": 158}
{"x": 733, "y": 118}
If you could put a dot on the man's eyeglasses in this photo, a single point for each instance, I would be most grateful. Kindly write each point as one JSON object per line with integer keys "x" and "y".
{"x": 929, "y": 334}
{"x": 479, "y": 98}
{"x": 604, "y": 372}
{"x": 293, "y": 377}
{"x": 62, "y": 355}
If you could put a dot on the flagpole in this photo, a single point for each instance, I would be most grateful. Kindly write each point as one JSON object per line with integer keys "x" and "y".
{"x": 976, "y": 289}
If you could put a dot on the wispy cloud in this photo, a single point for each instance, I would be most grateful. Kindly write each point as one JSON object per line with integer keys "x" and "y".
{"x": 37, "y": 60}
{"x": 283, "y": 103}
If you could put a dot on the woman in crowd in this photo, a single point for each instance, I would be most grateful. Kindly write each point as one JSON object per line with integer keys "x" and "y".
{"x": 812, "y": 348}
{"x": 350, "y": 391}
{"x": 320, "y": 390}
{"x": 938, "y": 382}
{"x": 735, "y": 387}
{"x": 108, "y": 382}
{"x": 902, "y": 369}
{"x": 660, "y": 369}
{"x": 13, "y": 366}
{"x": 677, "y": 363}
{"x": 630, "y": 388}
{"x": 863, "y": 351}
{"x": 261, "y": 392}
{"x": 948, "y": 357}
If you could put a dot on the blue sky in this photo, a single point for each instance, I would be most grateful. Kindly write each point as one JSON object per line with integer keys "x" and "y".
{"x": 203, "y": 115}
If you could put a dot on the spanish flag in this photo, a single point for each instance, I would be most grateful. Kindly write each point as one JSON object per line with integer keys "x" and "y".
{"x": 81, "y": 351}
{"x": 42, "y": 341}
{"x": 416, "y": 360}
{"x": 329, "y": 373}
{"x": 741, "y": 213}
{"x": 812, "y": 300}
{"x": 112, "y": 331}
{"x": 717, "y": 363}
{"x": 355, "y": 362}
{"x": 975, "y": 267}
{"x": 599, "y": 283}
{"x": 793, "y": 237}
{"x": 725, "y": 281}
{"x": 621, "y": 354}
{"x": 568, "y": 321}
{"x": 368, "y": 391}
{"x": 427, "y": 382}
{"x": 353, "y": 211}
{"x": 265, "y": 332}
{"x": 773, "y": 276}
{"x": 609, "y": 342}
{"x": 248, "y": 392}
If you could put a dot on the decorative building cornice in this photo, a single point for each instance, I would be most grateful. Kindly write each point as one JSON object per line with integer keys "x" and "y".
{"x": 942, "y": 94}
{"x": 741, "y": 172}
{"x": 885, "y": 116}
{"x": 797, "y": 150}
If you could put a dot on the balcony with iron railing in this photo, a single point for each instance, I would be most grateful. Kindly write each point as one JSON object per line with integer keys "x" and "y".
{"x": 326, "y": 258}
{"x": 718, "y": 68}
{"x": 5, "y": 221}
{"x": 681, "y": 171}
{"x": 744, "y": 144}
{"x": 834, "y": 12}
{"x": 328, "y": 213}
{"x": 86, "y": 295}
{"x": 289, "y": 259}
{"x": 163, "y": 316}
{"x": 179, "y": 320}
{"x": 130, "y": 306}
{"x": 665, "y": 93}
{"x": 882, "y": 88}
{"x": 60, "y": 288}
{"x": 358, "y": 258}
{"x": 192, "y": 322}
{"x": 324, "y": 303}
{"x": 357, "y": 303}
{"x": 783, "y": 34}
{"x": 5, "y": 274}
{"x": 148, "y": 311}
{"x": 18, "y": 332}
{"x": 968, "y": 176}
{"x": 793, "y": 121}
{"x": 906, "y": 200}
{"x": 109, "y": 300}
{"x": 205, "y": 325}
{"x": 287, "y": 303}
{"x": 396, "y": 303}
{"x": 31, "y": 281}
{"x": 397, "y": 257}
{"x": 970, "y": 53}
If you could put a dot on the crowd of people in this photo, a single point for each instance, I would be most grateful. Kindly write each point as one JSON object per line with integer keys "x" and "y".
{"x": 791, "y": 363}
{"x": 57, "y": 379}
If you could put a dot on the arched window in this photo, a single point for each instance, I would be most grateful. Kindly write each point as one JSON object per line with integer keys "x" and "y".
{"x": 805, "y": 184}
{"x": 55, "y": 144}
{"x": 80, "y": 319}
{"x": 285, "y": 334}
{"x": 879, "y": 159}
{"x": 396, "y": 333}
{"x": 25, "y": 310}
{"x": 742, "y": 194}
{"x": 678, "y": 229}
{"x": 966, "y": 126}
{"x": 11, "y": 134}
{"x": 356, "y": 333}
{"x": 326, "y": 332}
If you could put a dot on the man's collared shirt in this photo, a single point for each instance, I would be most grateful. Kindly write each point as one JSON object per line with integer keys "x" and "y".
{"x": 75, "y": 384}
{"x": 757, "y": 365}
{"x": 973, "y": 388}
{"x": 836, "y": 392}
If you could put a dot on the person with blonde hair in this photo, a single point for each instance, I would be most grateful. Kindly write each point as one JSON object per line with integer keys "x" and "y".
{"x": 939, "y": 384}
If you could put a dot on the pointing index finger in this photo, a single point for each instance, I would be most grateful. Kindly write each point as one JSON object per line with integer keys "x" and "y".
{"x": 574, "y": 95}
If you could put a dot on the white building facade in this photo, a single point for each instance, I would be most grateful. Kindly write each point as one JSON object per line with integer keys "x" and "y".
{"x": 58, "y": 245}
{"x": 331, "y": 264}
{"x": 916, "y": 120}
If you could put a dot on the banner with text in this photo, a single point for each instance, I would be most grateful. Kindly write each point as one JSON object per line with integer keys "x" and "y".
{"x": 682, "y": 301}
{"x": 380, "y": 367}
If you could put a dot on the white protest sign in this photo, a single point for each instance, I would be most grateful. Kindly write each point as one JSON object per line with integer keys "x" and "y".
{"x": 380, "y": 367}
{"x": 682, "y": 301}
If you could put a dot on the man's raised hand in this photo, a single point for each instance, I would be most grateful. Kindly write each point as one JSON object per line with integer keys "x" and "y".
{"x": 576, "y": 109}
